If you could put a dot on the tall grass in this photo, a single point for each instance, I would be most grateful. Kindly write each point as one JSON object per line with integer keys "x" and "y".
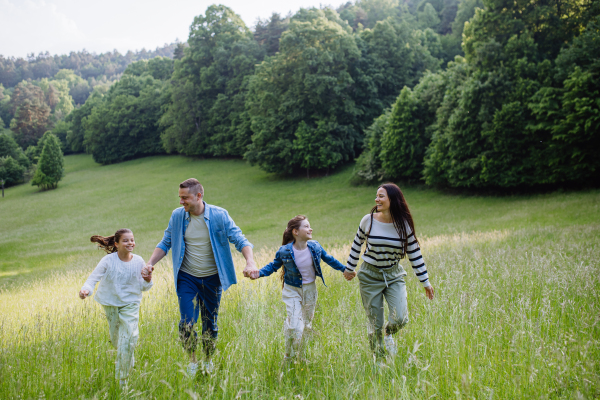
{"x": 516, "y": 315}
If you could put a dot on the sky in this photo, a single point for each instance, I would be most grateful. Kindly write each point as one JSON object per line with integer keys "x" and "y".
{"x": 62, "y": 26}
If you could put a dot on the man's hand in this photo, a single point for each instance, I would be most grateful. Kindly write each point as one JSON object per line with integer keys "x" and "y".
{"x": 83, "y": 294}
{"x": 349, "y": 275}
{"x": 250, "y": 271}
{"x": 429, "y": 292}
{"x": 147, "y": 273}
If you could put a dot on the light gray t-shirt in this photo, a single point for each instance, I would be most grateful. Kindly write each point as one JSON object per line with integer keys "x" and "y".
{"x": 199, "y": 259}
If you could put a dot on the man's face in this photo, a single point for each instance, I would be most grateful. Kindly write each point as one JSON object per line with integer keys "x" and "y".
{"x": 189, "y": 201}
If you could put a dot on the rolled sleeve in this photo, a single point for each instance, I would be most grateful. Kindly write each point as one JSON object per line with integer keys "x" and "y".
{"x": 165, "y": 243}
{"x": 234, "y": 234}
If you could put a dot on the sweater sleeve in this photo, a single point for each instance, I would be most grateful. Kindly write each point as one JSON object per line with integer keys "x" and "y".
{"x": 96, "y": 275}
{"x": 359, "y": 239}
{"x": 145, "y": 285}
{"x": 413, "y": 252}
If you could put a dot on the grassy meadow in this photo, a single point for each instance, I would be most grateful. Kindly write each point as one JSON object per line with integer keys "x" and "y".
{"x": 516, "y": 313}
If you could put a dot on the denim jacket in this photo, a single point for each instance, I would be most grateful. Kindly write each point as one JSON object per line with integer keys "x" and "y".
{"x": 292, "y": 276}
{"x": 221, "y": 229}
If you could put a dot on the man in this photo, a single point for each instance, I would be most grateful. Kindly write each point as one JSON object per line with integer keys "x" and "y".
{"x": 199, "y": 235}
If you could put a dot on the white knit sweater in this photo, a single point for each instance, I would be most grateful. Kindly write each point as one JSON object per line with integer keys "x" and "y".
{"x": 121, "y": 282}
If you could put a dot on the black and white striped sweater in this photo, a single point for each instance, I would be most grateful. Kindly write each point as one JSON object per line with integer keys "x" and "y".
{"x": 384, "y": 248}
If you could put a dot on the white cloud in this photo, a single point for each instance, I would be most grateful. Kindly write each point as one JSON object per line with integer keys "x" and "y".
{"x": 36, "y": 26}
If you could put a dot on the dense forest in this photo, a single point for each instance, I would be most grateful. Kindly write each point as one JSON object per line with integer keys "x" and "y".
{"x": 456, "y": 93}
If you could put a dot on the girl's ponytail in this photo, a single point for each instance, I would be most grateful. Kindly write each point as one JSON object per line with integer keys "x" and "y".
{"x": 288, "y": 236}
{"x": 107, "y": 243}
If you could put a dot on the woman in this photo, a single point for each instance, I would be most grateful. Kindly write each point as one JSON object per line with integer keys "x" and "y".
{"x": 390, "y": 235}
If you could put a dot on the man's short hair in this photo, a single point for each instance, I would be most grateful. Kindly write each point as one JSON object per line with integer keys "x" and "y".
{"x": 193, "y": 186}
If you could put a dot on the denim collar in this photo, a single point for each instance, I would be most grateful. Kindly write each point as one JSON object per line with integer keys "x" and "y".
{"x": 206, "y": 212}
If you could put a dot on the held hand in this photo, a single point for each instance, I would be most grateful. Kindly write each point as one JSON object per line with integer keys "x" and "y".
{"x": 83, "y": 294}
{"x": 251, "y": 271}
{"x": 349, "y": 275}
{"x": 429, "y": 292}
{"x": 147, "y": 271}
{"x": 147, "y": 276}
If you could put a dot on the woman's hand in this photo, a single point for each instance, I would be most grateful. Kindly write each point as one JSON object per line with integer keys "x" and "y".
{"x": 83, "y": 294}
{"x": 349, "y": 275}
{"x": 429, "y": 292}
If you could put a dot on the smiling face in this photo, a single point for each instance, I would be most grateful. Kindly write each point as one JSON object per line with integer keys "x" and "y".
{"x": 304, "y": 232}
{"x": 126, "y": 243}
{"x": 191, "y": 202}
{"x": 382, "y": 200}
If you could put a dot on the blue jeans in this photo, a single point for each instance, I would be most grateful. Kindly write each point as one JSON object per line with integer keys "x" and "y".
{"x": 198, "y": 297}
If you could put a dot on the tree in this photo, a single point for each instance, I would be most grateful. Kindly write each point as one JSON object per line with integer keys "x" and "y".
{"x": 11, "y": 172}
{"x": 31, "y": 114}
{"x": 206, "y": 115}
{"x": 50, "y": 168}
{"x": 301, "y": 100}
{"x": 124, "y": 124}
{"x": 267, "y": 33}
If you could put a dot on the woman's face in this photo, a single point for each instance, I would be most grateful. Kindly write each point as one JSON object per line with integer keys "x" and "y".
{"x": 303, "y": 233}
{"x": 125, "y": 243}
{"x": 382, "y": 200}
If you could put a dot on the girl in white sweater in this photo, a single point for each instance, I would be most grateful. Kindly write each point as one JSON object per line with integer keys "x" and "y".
{"x": 120, "y": 293}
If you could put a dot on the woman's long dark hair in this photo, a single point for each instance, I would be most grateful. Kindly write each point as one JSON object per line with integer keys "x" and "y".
{"x": 288, "y": 235}
{"x": 400, "y": 214}
{"x": 107, "y": 243}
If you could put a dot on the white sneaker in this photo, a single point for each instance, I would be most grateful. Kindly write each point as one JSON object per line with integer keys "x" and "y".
{"x": 390, "y": 345}
{"x": 209, "y": 367}
{"x": 192, "y": 368}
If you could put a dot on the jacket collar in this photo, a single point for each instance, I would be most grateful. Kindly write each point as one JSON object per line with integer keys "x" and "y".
{"x": 207, "y": 208}
{"x": 310, "y": 244}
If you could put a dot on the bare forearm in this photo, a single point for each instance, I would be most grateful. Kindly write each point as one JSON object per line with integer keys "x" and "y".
{"x": 156, "y": 256}
{"x": 248, "y": 254}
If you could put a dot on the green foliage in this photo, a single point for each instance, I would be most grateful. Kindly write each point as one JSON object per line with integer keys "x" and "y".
{"x": 394, "y": 55}
{"x": 368, "y": 166}
{"x": 76, "y": 120}
{"x": 61, "y": 130}
{"x": 206, "y": 115}
{"x": 50, "y": 168}
{"x": 124, "y": 123}
{"x": 301, "y": 99}
{"x": 268, "y": 32}
{"x": 11, "y": 171}
{"x": 159, "y": 68}
{"x": 28, "y": 105}
{"x": 569, "y": 115}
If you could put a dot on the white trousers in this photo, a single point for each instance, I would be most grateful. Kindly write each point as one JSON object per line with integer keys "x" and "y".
{"x": 300, "y": 304}
{"x": 124, "y": 333}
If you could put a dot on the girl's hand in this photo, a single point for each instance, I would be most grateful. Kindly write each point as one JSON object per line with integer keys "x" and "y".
{"x": 429, "y": 292}
{"x": 349, "y": 275}
{"x": 83, "y": 294}
{"x": 147, "y": 273}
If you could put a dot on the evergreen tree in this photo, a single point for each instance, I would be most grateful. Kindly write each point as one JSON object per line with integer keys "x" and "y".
{"x": 50, "y": 168}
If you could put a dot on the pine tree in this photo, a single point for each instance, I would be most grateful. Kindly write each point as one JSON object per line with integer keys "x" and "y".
{"x": 50, "y": 168}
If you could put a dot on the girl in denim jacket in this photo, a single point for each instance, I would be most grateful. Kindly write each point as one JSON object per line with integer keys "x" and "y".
{"x": 301, "y": 260}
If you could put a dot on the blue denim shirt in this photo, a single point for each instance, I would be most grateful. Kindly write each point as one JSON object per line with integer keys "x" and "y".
{"x": 221, "y": 229}
{"x": 291, "y": 275}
